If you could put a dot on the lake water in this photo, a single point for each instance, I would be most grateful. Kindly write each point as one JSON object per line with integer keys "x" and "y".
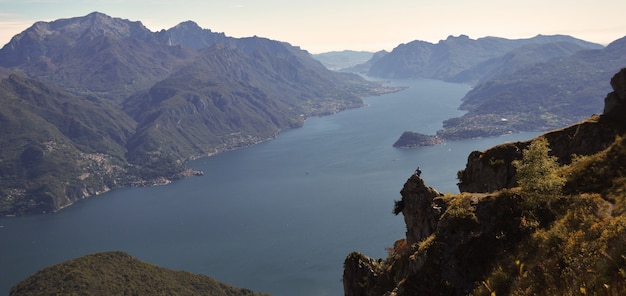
{"x": 279, "y": 217}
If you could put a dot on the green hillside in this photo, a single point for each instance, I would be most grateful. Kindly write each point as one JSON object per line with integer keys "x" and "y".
{"x": 117, "y": 273}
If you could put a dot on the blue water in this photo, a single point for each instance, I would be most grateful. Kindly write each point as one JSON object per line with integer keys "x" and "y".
{"x": 278, "y": 217}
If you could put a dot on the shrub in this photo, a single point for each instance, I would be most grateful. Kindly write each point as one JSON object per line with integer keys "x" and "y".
{"x": 538, "y": 172}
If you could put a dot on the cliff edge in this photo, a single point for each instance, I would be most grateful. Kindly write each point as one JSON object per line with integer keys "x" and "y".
{"x": 496, "y": 238}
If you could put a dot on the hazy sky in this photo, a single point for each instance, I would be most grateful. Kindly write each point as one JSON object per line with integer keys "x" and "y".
{"x": 327, "y": 25}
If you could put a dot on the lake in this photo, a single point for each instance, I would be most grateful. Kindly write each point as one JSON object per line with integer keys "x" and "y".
{"x": 278, "y": 217}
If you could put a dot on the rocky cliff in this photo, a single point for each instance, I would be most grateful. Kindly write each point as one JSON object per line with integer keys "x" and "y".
{"x": 495, "y": 238}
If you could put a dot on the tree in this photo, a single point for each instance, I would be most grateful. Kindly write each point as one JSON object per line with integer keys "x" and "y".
{"x": 538, "y": 172}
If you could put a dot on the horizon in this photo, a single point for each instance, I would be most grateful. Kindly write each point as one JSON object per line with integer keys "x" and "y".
{"x": 327, "y": 26}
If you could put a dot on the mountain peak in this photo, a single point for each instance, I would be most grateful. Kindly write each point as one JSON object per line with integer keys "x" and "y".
{"x": 42, "y": 38}
{"x": 190, "y": 34}
{"x": 189, "y": 25}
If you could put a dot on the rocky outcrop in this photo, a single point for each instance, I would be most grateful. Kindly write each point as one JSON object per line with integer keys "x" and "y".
{"x": 491, "y": 170}
{"x": 449, "y": 243}
{"x": 615, "y": 102}
{"x": 421, "y": 207}
{"x": 364, "y": 276}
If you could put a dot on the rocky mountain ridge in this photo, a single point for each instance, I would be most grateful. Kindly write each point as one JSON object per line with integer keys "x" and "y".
{"x": 495, "y": 238}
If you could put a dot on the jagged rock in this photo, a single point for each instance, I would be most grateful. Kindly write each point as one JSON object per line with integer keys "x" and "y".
{"x": 363, "y": 276}
{"x": 492, "y": 169}
{"x": 421, "y": 209}
{"x": 615, "y": 102}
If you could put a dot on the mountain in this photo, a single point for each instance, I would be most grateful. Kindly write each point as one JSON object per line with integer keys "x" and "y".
{"x": 122, "y": 105}
{"x": 94, "y": 56}
{"x": 364, "y": 68}
{"x": 544, "y": 216}
{"x": 539, "y": 97}
{"x": 448, "y": 59}
{"x": 189, "y": 34}
{"x": 526, "y": 55}
{"x": 117, "y": 273}
{"x": 337, "y": 60}
{"x": 245, "y": 99}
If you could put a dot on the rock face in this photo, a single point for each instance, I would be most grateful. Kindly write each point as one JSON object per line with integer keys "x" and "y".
{"x": 421, "y": 207}
{"x": 615, "y": 102}
{"x": 491, "y": 169}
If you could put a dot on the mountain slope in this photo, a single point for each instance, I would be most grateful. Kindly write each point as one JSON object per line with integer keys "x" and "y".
{"x": 56, "y": 148}
{"x": 117, "y": 273}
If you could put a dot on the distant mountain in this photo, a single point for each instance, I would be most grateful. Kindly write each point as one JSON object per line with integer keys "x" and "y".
{"x": 109, "y": 103}
{"x": 336, "y": 60}
{"x": 516, "y": 59}
{"x": 364, "y": 68}
{"x": 189, "y": 34}
{"x": 540, "y": 96}
{"x": 447, "y": 59}
{"x": 117, "y": 273}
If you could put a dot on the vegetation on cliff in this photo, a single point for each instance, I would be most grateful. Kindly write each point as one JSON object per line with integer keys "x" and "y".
{"x": 559, "y": 230}
{"x": 117, "y": 273}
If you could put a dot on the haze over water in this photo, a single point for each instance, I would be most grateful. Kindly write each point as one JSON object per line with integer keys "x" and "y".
{"x": 278, "y": 217}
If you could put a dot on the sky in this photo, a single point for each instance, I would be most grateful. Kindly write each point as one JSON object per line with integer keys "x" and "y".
{"x": 333, "y": 25}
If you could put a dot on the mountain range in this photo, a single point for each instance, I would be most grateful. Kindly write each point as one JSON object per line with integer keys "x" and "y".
{"x": 466, "y": 60}
{"x": 95, "y": 102}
